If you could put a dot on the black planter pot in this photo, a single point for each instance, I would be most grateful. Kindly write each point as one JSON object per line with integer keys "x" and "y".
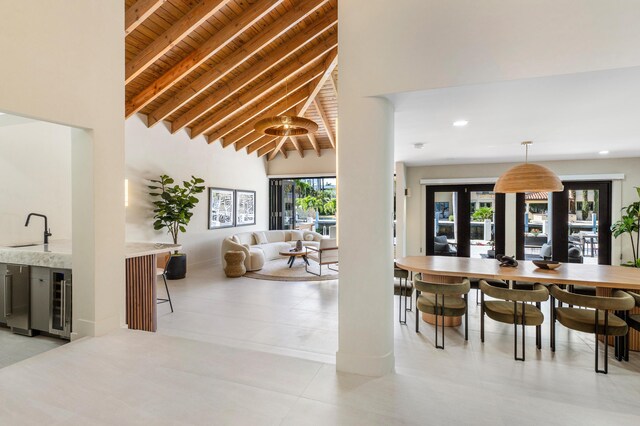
{"x": 177, "y": 268}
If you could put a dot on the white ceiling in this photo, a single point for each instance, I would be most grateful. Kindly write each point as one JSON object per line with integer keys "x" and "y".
{"x": 567, "y": 117}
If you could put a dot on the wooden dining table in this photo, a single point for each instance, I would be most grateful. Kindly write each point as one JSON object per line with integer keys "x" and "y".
{"x": 448, "y": 269}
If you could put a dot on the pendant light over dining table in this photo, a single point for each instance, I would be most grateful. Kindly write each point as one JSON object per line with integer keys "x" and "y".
{"x": 528, "y": 177}
{"x": 286, "y": 125}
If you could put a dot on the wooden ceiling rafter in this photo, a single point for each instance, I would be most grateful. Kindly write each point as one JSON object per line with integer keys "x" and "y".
{"x": 266, "y": 149}
{"x": 139, "y": 12}
{"x": 244, "y": 100}
{"x": 244, "y": 79}
{"x": 172, "y": 36}
{"x": 265, "y": 140}
{"x": 215, "y": 130}
{"x": 314, "y": 143}
{"x": 216, "y": 67}
{"x": 228, "y": 64}
{"x": 325, "y": 122}
{"x": 205, "y": 51}
{"x": 297, "y": 146}
{"x": 330, "y": 64}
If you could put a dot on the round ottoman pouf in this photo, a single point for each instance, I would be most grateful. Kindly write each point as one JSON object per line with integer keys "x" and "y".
{"x": 235, "y": 264}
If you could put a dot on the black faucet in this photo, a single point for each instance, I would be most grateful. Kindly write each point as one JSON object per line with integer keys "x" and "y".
{"x": 47, "y": 231}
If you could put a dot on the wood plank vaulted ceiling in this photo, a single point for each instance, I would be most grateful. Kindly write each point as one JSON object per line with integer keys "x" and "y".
{"x": 215, "y": 67}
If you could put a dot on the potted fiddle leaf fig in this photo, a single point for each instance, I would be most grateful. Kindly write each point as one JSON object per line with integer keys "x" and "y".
{"x": 629, "y": 224}
{"x": 173, "y": 211}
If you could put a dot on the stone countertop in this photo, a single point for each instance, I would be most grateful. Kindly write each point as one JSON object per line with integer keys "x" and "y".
{"x": 144, "y": 249}
{"x": 57, "y": 254}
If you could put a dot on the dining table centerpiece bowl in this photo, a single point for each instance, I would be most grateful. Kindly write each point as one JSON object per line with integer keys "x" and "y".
{"x": 547, "y": 264}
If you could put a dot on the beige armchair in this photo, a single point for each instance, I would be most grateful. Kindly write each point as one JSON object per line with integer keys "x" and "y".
{"x": 326, "y": 254}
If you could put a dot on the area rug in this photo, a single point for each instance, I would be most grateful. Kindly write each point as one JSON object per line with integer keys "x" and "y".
{"x": 278, "y": 270}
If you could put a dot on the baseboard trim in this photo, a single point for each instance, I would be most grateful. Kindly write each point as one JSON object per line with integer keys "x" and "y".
{"x": 365, "y": 365}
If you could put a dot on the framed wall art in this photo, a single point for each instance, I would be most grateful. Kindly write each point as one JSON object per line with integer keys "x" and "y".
{"x": 245, "y": 207}
{"x": 221, "y": 208}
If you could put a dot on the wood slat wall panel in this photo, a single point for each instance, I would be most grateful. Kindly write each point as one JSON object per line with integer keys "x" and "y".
{"x": 141, "y": 293}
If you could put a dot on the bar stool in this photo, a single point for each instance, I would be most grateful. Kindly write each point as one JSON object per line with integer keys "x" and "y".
{"x": 163, "y": 273}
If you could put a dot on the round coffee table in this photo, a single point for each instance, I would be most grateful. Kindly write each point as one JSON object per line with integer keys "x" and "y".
{"x": 293, "y": 254}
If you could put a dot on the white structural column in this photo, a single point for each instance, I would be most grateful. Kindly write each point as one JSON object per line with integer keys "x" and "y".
{"x": 365, "y": 220}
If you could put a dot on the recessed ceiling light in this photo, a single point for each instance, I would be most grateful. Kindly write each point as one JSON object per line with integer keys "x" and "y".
{"x": 418, "y": 145}
{"x": 460, "y": 123}
{"x": 603, "y": 152}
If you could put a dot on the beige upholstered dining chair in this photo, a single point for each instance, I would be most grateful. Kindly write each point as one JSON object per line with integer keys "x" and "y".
{"x": 442, "y": 300}
{"x": 325, "y": 254}
{"x": 598, "y": 319}
{"x": 633, "y": 321}
{"x": 514, "y": 307}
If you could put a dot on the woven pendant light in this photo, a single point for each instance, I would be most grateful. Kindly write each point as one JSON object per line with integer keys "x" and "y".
{"x": 528, "y": 177}
{"x": 286, "y": 125}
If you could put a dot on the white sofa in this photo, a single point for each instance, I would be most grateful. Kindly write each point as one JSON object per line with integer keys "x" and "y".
{"x": 256, "y": 254}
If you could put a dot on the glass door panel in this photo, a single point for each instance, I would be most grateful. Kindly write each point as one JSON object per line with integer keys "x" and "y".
{"x": 482, "y": 224}
{"x": 583, "y": 225}
{"x": 288, "y": 204}
{"x": 465, "y": 221}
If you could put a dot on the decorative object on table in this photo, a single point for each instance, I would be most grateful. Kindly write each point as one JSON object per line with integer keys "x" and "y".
{"x": 221, "y": 208}
{"x": 245, "y": 207}
{"x": 286, "y": 125}
{"x": 547, "y": 264}
{"x": 528, "y": 177}
{"x": 234, "y": 264}
{"x": 299, "y": 245}
{"x": 506, "y": 261}
{"x": 629, "y": 224}
{"x": 173, "y": 210}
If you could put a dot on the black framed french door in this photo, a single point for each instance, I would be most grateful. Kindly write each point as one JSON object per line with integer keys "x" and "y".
{"x": 282, "y": 201}
{"x": 471, "y": 217}
{"x": 579, "y": 223}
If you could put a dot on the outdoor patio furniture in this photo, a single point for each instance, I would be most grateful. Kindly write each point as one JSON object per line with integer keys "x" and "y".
{"x": 441, "y": 246}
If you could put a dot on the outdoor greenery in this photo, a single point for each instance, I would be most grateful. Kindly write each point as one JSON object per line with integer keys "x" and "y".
{"x": 174, "y": 203}
{"x": 322, "y": 201}
{"x": 585, "y": 204}
{"x": 629, "y": 224}
{"x": 482, "y": 214}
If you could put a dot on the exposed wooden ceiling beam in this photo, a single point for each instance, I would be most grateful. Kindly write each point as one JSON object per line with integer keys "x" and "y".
{"x": 138, "y": 12}
{"x": 248, "y": 98}
{"x": 296, "y": 145}
{"x": 325, "y": 122}
{"x": 267, "y": 148}
{"x": 247, "y": 140}
{"x": 264, "y": 65}
{"x": 171, "y": 37}
{"x": 205, "y": 51}
{"x": 314, "y": 143}
{"x": 334, "y": 85}
{"x": 236, "y": 58}
{"x": 280, "y": 108}
{"x": 211, "y": 126}
{"x": 329, "y": 65}
{"x": 265, "y": 140}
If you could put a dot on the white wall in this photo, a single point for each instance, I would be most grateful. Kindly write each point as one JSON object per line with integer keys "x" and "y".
{"x": 422, "y": 44}
{"x": 63, "y": 62}
{"x": 623, "y": 194}
{"x": 35, "y": 171}
{"x": 311, "y": 164}
{"x": 151, "y": 152}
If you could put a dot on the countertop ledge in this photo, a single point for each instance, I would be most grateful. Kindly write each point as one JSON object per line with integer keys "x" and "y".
{"x": 57, "y": 254}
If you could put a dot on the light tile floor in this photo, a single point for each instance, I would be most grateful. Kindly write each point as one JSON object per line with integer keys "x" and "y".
{"x": 253, "y": 352}
{"x": 15, "y": 348}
